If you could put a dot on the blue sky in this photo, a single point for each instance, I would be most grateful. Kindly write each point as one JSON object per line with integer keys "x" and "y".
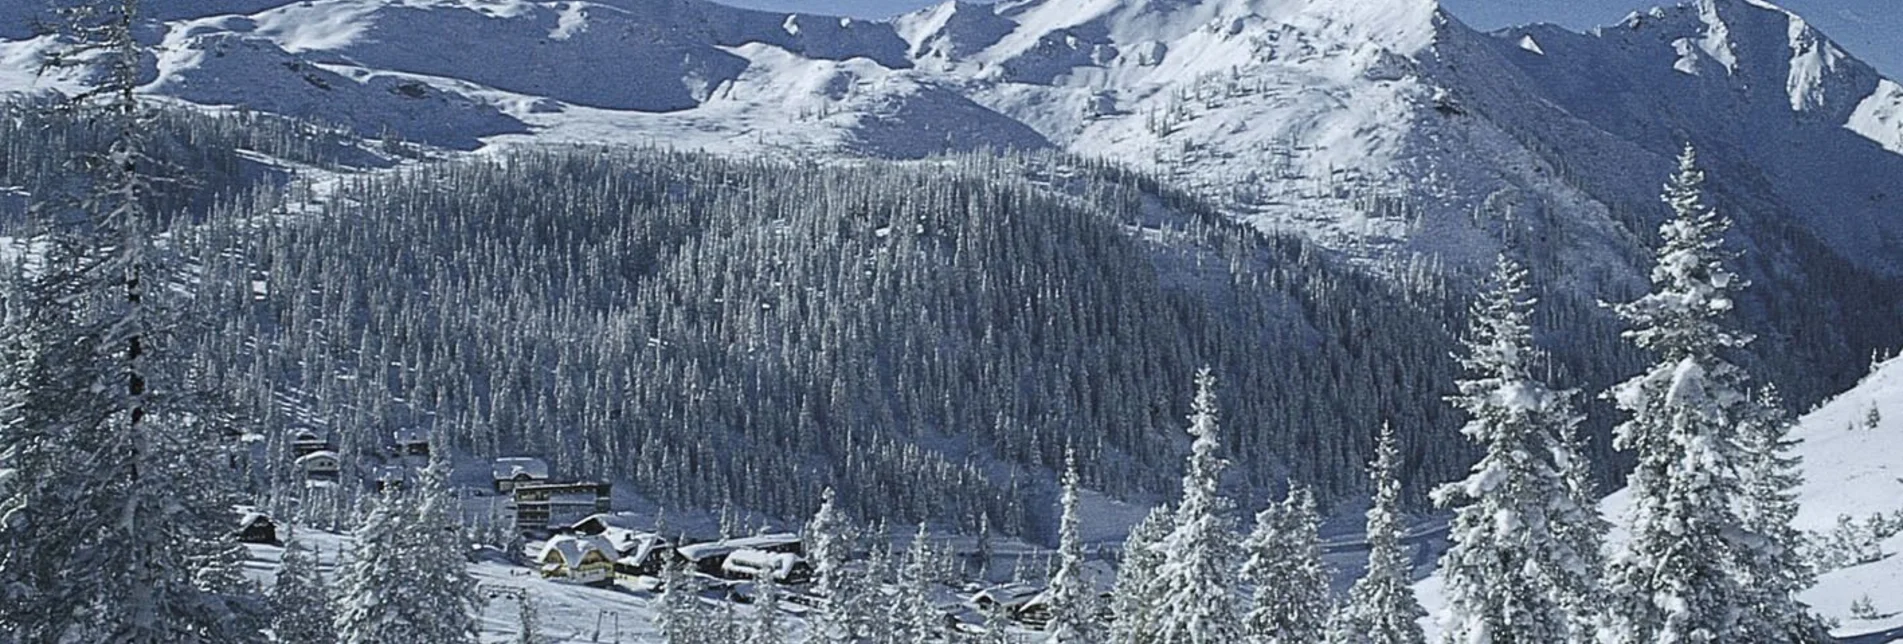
{"x": 1871, "y": 29}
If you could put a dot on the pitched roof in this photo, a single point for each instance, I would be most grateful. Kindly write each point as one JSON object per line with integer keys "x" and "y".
{"x": 699, "y": 551}
{"x": 573, "y": 548}
{"x": 319, "y": 454}
{"x": 508, "y": 467}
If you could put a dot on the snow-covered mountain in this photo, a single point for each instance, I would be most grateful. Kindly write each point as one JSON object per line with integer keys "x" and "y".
{"x": 1385, "y": 130}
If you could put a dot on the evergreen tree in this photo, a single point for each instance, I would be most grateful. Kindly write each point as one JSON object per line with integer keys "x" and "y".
{"x": 1581, "y": 596}
{"x": 1133, "y": 601}
{"x": 917, "y": 614}
{"x": 1381, "y": 608}
{"x": 1510, "y": 568}
{"x": 1776, "y": 570}
{"x": 1290, "y": 604}
{"x": 767, "y": 627}
{"x": 445, "y": 590}
{"x": 829, "y": 545}
{"x": 1194, "y": 582}
{"x": 528, "y": 621}
{"x": 1679, "y": 577}
{"x": 375, "y": 601}
{"x": 1072, "y": 598}
{"x": 130, "y": 542}
{"x": 303, "y": 610}
{"x": 681, "y": 619}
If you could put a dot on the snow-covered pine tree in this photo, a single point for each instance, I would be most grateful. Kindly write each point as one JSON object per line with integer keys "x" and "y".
{"x": 1381, "y": 607}
{"x": 1290, "y": 604}
{"x": 1777, "y": 570}
{"x": 1194, "y": 583}
{"x": 869, "y": 609}
{"x": 1679, "y": 577}
{"x": 681, "y": 618}
{"x": 445, "y": 592}
{"x": 303, "y": 610}
{"x": 767, "y": 628}
{"x": 373, "y": 594}
{"x": 1510, "y": 567}
{"x": 131, "y": 543}
{"x": 829, "y": 541}
{"x": 1073, "y": 599}
{"x": 528, "y": 621}
{"x": 1133, "y": 601}
{"x": 1582, "y": 598}
{"x": 917, "y": 614}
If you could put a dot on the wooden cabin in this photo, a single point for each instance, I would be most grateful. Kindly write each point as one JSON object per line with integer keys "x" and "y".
{"x": 577, "y": 559}
{"x": 255, "y": 527}
{"x": 410, "y": 441}
{"x": 321, "y": 465}
{"x": 306, "y": 442}
{"x": 511, "y": 471}
{"x": 391, "y": 477}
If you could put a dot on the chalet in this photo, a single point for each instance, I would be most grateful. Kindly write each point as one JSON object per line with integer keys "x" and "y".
{"x": 577, "y": 559}
{"x": 391, "y": 477}
{"x": 321, "y": 465}
{"x": 411, "y": 441}
{"x": 649, "y": 554}
{"x": 544, "y": 507}
{"x": 517, "y": 470}
{"x": 255, "y": 527}
{"x": 711, "y": 557}
{"x": 602, "y": 522}
{"x": 1022, "y": 602}
{"x": 306, "y": 442}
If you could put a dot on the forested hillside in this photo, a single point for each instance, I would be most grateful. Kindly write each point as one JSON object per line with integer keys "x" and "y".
{"x": 727, "y": 331}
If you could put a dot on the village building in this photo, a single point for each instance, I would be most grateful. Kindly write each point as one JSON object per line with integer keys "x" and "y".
{"x": 306, "y": 442}
{"x": 390, "y": 477}
{"x": 1025, "y": 603}
{"x": 710, "y": 557}
{"x": 511, "y": 471}
{"x": 255, "y": 527}
{"x": 577, "y": 559}
{"x": 411, "y": 441}
{"x": 321, "y": 465}
{"x": 550, "y": 507}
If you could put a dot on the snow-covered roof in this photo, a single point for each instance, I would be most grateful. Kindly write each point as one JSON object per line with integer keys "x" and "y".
{"x": 321, "y": 454}
{"x": 573, "y": 548}
{"x": 752, "y": 561}
{"x": 1009, "y": 595}
{"x": 389, "y": 473}
{"x": 630, "y": 542}
{"x": 509, "y": 467}
{"x": 411, "y": 436}
{"x": 249, "y": 519}
{"x": 605, "y": 520}
{"x": 308, "y": 435}
{"x": 699, "y": 551}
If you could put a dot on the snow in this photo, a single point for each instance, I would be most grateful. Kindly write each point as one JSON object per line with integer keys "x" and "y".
{"x": 1880, "y": 116}
{"x": 570, "y": 613}
{"x": 1849, "y": 470}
